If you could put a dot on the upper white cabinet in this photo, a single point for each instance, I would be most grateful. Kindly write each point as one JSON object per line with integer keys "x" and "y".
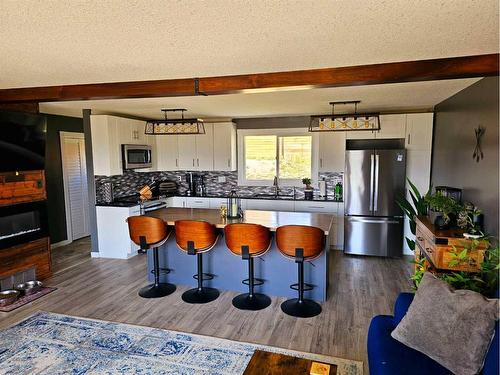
{"x": 391, "y": 126}
{"x": 419, "y": 131}
{"x": 187, "y": 152}
{"x": 224, "y": 146}
{"x": 205, "y": 149}
{"x": 106, "y": 150}
{"x": 166, "y": 152}
{"x": 331, "y": 151}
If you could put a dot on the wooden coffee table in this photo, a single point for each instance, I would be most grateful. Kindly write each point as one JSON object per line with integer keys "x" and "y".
{"x": 266, "y": 363}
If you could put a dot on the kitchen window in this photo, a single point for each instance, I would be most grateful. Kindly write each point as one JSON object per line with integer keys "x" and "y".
{"x": 266, "y": 154}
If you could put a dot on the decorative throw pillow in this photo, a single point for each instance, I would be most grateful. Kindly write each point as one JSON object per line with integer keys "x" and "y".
{"x": 453, "y": 327}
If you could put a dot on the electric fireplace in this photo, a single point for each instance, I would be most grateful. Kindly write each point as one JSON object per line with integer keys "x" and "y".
{"x": 21, "y": 223}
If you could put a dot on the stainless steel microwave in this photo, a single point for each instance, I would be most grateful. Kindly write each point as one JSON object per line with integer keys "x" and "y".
{"x": 136, "y": 156}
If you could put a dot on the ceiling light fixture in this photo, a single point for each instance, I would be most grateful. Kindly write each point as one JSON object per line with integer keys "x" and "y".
{"x": 175, "y": 126}
{"x": 345, "y": 121}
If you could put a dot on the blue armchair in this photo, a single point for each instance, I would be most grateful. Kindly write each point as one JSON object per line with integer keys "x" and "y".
{"x": 387, "y": 356}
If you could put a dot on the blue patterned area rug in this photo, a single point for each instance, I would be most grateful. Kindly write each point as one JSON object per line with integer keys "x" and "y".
{"x": 47, "y": 343}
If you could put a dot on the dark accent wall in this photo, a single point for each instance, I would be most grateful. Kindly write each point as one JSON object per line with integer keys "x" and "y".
{"x": 454, "y": 142}
{"x": 54, "y": 173}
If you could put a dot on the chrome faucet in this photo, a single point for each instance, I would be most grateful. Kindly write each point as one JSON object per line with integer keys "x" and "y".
{"x": 276, "y": 186}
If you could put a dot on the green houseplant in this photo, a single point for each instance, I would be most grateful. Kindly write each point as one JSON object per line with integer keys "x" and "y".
{"x": 307, "y": 181}
{"x": 416, "y": 207}
{"x": 441, "y": 209}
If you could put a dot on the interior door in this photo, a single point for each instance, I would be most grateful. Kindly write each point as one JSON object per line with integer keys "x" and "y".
{"x": 390, "y": 168}
{"x": 359, "y": 176}
{"x": 76, "y": 193}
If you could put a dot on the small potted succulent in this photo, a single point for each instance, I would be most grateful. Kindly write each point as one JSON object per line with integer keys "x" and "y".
{"x": 308, "y": 190}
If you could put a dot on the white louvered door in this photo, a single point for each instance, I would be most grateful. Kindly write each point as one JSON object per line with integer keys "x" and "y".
{"x": 75, "y": 176}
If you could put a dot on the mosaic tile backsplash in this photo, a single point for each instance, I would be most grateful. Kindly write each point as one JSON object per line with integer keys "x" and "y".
{"x": 130, "y": 182}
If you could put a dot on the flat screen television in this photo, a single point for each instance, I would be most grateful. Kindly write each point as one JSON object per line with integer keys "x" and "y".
{"x": 22, "y": 141}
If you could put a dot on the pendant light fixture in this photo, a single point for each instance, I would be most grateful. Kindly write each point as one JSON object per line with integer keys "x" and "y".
{"x": 345, "y": 121}
{"x": 177, "y": 126}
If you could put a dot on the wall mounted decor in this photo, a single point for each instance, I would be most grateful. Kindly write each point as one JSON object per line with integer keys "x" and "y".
{"x": 478, "y": 152}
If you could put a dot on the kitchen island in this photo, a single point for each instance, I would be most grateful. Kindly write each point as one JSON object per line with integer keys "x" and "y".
{"x": 229, "y": 270}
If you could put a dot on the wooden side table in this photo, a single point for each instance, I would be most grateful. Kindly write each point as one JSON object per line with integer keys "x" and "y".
{"x": 267, "y": 363}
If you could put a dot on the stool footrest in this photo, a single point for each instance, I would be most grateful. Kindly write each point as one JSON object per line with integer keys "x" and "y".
{"x": 205, "y": 276}
{"x": 256, "y": 281}
{"x": 163, "y": 271}
{"x": 306, "y": 286}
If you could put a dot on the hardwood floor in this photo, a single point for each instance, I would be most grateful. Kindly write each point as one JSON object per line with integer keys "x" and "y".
{"x": 360, "y": 287}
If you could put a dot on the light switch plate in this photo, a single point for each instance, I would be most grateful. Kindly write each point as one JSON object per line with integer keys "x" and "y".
{"x": 179, "y": 178}
{"x": 221, "y": 179}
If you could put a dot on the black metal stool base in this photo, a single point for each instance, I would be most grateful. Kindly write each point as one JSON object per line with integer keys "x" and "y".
{"x": 204, "y": 295}
{"x": 304, "y": 309}
{"x": 152, "y": 291}
{"x": 257, "y": 302}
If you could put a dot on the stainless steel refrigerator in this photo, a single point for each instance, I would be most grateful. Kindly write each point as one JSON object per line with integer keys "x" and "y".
{"x": 373, "y": 222}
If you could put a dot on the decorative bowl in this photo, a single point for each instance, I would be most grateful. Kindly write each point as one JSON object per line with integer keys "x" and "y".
{"x": 29, "y": 287}
{"x": 8, "y": 297}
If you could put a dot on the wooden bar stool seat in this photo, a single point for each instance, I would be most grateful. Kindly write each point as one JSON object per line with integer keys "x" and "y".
{"x": 301, "y": 243}
{"x": 196, "y": 238}
{"x": 249, "y": 241}
{"x": 151, "y": 233}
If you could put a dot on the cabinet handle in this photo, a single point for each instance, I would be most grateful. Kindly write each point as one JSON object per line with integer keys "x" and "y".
{"x": 229, "y": 163}
{"x": 321, "y": 162}
{"x": 198, "y": 162}
{"x": 420, "y": 238}
{"x": 176, "y": 162}
{"x": 429, "y": 250}
{"x": 193, "y": 162}
{"x": 409, "y": 138}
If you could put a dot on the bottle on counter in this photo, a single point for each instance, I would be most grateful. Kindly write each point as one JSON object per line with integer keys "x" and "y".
{"x": 338, "y": 191}
{"x": 322, "y": 188}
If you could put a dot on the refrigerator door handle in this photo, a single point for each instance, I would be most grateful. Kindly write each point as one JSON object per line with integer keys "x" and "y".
{"x": 374, "y": 221}
{"x": 372, "y": 170}
{"x": 375, "y": 194}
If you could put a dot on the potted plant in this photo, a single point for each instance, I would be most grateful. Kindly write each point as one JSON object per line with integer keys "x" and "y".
{"x": 470, "y": 218}
{"x": 442, "y": 209}
{"x": 416, "y": 207}
{"x": 308, "y": 190}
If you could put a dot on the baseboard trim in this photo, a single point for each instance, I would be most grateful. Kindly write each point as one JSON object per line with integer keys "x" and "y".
{"x": 95, "y": 254}
{"x": 60, "y": 243}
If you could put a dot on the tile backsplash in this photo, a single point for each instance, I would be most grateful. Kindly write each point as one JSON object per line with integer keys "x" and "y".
{"x": 130, "y": 182}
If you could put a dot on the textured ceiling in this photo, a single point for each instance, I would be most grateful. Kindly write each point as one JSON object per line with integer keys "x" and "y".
{"x": 389, "y": 97}
{"x": 67, "y": 42}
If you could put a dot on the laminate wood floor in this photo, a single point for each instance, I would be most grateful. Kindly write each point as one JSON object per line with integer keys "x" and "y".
{"x": 360, "y": 287}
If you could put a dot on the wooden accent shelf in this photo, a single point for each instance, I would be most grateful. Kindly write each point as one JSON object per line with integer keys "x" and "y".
{"x": 437, "y": 247}
{"x": 22, "y": 187}
{"x": 33, "y": 254}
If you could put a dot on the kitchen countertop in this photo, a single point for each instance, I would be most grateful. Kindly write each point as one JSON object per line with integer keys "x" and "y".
{"x": 316, "y": 198}
{"x": 269, "y": 219}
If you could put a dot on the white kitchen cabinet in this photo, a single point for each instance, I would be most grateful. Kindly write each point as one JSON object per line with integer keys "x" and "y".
{"x": 106, "y": 147}
{"x": 205, "y": 150}
{"x": 331, "y": 151}
{"x": 392, "y": 126}
{"x": 316, "y": 206}
{"x": 361, "y": 134}
{"x": 197, "y": 202}
{"x": 112, "y": 232}
{"x": 419, "y": 131}
{"x": 224, "y": 146}
{"x": 269, "y": 205}
{"x": 179, "y": 202}
{"x": 187, "y": 152}
{"x": 167, "y": 152}
{"x": 217, "y": 203}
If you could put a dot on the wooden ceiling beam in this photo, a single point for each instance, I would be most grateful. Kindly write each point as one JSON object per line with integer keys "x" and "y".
{"x": 396, "y": 72}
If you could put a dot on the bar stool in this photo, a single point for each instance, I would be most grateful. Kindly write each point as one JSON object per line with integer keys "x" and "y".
{"x": 249, "y": 241}
{"x": 196, "y": 238}
{"x": 301, "y": 243}
{"x": 151, "y": 233}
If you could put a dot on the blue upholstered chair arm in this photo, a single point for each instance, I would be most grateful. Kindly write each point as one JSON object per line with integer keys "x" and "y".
{"x": 401, "y": 306}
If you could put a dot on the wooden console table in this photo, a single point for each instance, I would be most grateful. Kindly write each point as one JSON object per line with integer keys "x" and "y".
{"x": 266, "y": 363}
{"x": 438, "y": 245}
